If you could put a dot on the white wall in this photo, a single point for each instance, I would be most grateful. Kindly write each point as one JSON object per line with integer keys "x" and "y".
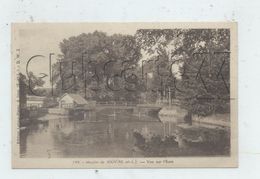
{"x": 66, "y": 100}
{"x": 34, "y": 103}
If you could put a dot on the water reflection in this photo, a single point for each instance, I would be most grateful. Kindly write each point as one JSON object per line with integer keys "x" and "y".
{"x": 104, "y": 135}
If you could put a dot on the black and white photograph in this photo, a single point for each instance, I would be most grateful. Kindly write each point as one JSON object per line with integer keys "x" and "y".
{"x": 129, "y": 94}
{"x": 129, "y": 89}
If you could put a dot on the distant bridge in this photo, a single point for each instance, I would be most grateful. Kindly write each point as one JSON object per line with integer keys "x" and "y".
{"x": 143, "y": 108}
{"x": 128, "y": 106}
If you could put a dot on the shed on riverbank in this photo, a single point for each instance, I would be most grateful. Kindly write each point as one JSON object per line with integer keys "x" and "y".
{"x": 70, "y": 100}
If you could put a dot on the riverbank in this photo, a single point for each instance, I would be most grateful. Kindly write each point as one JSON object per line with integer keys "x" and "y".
{"x": 222, "y": 120}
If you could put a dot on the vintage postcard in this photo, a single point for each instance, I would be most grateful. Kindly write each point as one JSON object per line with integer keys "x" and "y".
{"x": 124, "y": 95}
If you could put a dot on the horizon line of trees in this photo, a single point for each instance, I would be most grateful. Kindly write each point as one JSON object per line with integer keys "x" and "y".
{"x": 191, "y": 65}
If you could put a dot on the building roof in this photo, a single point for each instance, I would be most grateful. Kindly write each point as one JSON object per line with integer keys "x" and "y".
{"x": 76, "y": 97}
{"x": 35, "y": 98}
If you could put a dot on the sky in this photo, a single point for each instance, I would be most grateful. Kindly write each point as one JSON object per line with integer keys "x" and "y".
{"x": 43, "y": 39}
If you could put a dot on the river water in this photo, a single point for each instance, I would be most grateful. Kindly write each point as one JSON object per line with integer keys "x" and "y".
{"x": 105, "y": 135}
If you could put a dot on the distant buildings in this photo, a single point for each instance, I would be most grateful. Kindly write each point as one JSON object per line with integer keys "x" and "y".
{"x": 34, "y": 101}
{"x": 69, "y": 100}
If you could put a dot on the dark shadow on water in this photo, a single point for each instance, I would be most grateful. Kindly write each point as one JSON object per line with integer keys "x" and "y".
{"x": 119, "y": 135}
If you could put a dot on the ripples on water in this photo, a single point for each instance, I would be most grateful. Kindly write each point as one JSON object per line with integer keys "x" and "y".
{"x": 104, "y": 135}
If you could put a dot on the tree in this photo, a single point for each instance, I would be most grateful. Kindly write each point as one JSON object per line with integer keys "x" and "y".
{"x": 28, "y": 85}
{"x": 160, "y": 62}
{"x": 33, "y": 83}
{"x": 194, "y": 66}
{"x": 98, "y": 66}
{"x": 22, "y": 90}
{"x": 205, "y": 73}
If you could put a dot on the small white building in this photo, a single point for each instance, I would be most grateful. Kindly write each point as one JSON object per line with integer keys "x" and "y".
{"x": 69, "y": 100}
{"x": 34, "y": 101}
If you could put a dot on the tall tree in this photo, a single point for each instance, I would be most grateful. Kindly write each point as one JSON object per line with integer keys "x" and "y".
{"x": 22, "y": 90}
{"x": 205, "y": 81}
{"x": 98, "y": 66}
{"x": 160, "y": 62}
{"x": 29, "y": 85}
{"x": 198, "y": 62}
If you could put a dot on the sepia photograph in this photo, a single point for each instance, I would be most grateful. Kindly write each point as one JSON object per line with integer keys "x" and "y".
{"x": 124, "y": 95}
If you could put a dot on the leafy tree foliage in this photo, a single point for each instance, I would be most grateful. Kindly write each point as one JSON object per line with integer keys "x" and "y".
{"x": 205, "y": 74}
{"x": 98, "y": 66}
{"x": 29, "y": 85}
{"x": 200, "y": 57}
{"x": 190, "y": 65}
{"x": 22, "y": 90}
